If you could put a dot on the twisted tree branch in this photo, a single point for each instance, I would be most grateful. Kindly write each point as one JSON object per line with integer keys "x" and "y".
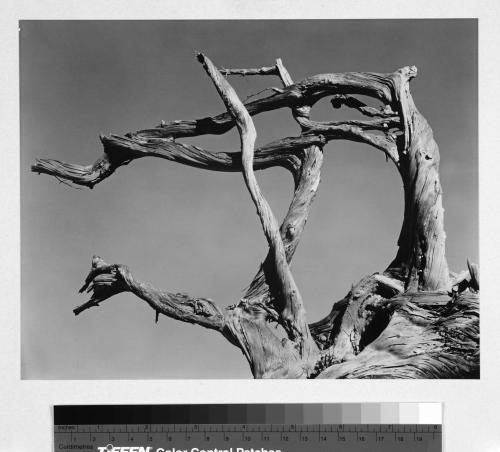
{"x": 271, "y": 70}
{"x": 340, "y": 100}
{"x": 291, "y": 311}
{"x": 305, "y": 92}
{"x": 120, "y": 151}
{"x": 105, "y": 280}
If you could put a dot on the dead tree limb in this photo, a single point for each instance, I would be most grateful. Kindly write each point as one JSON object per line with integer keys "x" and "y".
{"x": 106, "y": 280}
{"x": 415, "y": 319}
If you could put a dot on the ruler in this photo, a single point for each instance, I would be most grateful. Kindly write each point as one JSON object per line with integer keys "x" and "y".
{"x": 230, "y": 436}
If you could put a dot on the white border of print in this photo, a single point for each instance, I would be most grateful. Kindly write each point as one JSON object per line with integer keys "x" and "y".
{"x": 471, "y": 407}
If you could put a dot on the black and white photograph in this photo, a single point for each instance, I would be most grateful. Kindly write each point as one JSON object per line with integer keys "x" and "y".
{"x": 237, "y": 199}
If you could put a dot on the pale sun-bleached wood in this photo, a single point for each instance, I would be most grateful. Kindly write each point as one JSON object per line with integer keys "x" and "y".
{"x": 416, "y": 298}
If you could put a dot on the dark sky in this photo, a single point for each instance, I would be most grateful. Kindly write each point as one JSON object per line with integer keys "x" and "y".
{"x": 184, "y": 229}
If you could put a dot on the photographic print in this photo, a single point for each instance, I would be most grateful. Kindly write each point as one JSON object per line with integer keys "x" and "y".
{"x": 249, "y": 199}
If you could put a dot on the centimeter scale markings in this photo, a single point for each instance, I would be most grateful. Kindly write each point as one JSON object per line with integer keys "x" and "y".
{"x": 245, "y": 437}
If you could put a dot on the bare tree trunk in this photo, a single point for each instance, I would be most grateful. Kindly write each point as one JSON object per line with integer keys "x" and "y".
{"x": 416, "y": 319}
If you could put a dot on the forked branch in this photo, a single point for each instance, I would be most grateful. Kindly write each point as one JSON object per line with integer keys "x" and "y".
{"x": 291, "y": 307}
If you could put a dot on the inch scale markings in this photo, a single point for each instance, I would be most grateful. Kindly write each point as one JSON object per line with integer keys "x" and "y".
{"x": 248, "y": 437}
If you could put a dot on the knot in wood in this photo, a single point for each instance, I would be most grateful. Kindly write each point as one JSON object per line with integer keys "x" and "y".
{"x": 290, "y": 232}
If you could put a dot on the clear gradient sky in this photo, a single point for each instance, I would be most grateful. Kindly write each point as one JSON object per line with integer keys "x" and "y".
{"x": 189, "y": 230}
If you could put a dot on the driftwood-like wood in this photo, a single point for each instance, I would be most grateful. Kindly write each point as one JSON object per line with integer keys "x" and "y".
{"x": 415, "y": 319}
